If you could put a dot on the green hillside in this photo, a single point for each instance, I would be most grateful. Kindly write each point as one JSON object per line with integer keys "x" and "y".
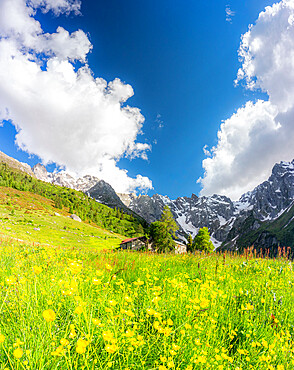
{"x": 32, "y": 218}
{"x": 74, "y": 202}
{"x": 33, "y": 210}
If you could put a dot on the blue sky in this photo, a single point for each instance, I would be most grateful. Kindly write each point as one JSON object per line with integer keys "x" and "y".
{"x": 181, "y": 60}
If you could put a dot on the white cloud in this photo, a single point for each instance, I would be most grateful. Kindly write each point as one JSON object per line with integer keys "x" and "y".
{"x": 259, "y": 134}
{"x": 112, "y": 174}
{"x": 57, "y": 6}
{"x": 206, "y": 151}
{"x": 229, "y": 14}
{"x": 159, "y": 121}
{"x": 64, "y": 116}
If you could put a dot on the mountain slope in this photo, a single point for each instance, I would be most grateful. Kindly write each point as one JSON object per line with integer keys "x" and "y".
{"x": 31, "y": 218}
{"x": 73, "y": 202}
{"x": 189, "y": 213}
{"x": 91, "y": 185}
{"x": 271, "y": 198}
{"x": 104, "y": 193}
{"x": 262, "y": 234}
{"x": 266, "y": 216}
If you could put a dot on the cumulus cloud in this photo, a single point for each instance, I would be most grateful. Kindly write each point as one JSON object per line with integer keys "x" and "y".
{"x": 259, "y": 134}
{"x": 65, "y": 116}
{"x": 112, "y": 174}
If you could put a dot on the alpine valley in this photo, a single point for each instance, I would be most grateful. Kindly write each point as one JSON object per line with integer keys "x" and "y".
{"x": 263, "y": 217}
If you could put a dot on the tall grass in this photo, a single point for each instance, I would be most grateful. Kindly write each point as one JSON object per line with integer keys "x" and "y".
{"x": 67, "y": 308}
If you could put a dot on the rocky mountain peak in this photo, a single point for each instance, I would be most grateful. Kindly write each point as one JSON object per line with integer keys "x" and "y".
{"x": 281, "y": 168}
{"x": 269, "y": 199}
{"x": 218, "y": 212}
{"x": 40, "y": 172}
{"x": 63, "y": 178}
{"x": 102, "y": 191}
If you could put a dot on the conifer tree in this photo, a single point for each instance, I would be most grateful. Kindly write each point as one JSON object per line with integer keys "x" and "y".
{"x": 162, "y": 239}
{"x": 163, "y": 231}
{"x": 202, "y": 241}
{"x": 140, "y": 229}
{"x": 189, "y": 243}
{"x": 167, "y": 219}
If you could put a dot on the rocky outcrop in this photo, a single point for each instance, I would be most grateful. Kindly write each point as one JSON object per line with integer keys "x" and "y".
{"x": 75, "y": 218}
{"x": 127, "y": 198}
{"x": 41, "y": 173}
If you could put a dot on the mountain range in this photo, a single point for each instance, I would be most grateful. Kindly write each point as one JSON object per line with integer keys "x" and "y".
{"x": 263, "y": 217}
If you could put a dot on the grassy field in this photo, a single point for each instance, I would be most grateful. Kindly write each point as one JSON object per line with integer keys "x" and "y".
{"x": 33, "y": 218}
{"x": 81, "y": 308}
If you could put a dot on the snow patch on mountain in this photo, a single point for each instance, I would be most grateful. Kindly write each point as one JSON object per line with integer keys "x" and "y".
{"x": 63, "y": 178}
{"x": 187, "y": 227}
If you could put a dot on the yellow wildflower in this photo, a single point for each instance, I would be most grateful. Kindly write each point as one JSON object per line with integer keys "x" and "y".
{"x": 64, "y": 342}
{"x": 108, "y": 267}
{"x": 37, "y": 269}
{"x": 17, "y": 353}
{"x": 49, "y": 315}
{"x": 111, "y": 348}
{"x": 79, "y": 310}
{"x": 97, "y": 281}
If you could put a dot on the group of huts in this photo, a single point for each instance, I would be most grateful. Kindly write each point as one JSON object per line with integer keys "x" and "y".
{"x": 142, "y": 242}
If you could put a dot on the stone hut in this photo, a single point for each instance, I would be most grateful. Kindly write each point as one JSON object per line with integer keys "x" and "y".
{"x": 180, "y": 247}
{"x": 134, "y": 244}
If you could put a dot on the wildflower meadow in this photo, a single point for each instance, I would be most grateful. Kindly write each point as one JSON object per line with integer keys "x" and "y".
{"x": 75, "y": 308}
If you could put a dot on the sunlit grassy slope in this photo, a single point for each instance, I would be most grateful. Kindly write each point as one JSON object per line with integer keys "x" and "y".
{"x": 32, "y": 218}
{"x": 123, "y": 222}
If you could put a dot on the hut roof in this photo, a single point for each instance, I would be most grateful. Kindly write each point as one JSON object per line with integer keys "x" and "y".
{"x": 131, "y": 239}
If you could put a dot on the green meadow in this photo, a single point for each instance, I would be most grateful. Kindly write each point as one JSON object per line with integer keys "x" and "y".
{"x": 79, "y": 307}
